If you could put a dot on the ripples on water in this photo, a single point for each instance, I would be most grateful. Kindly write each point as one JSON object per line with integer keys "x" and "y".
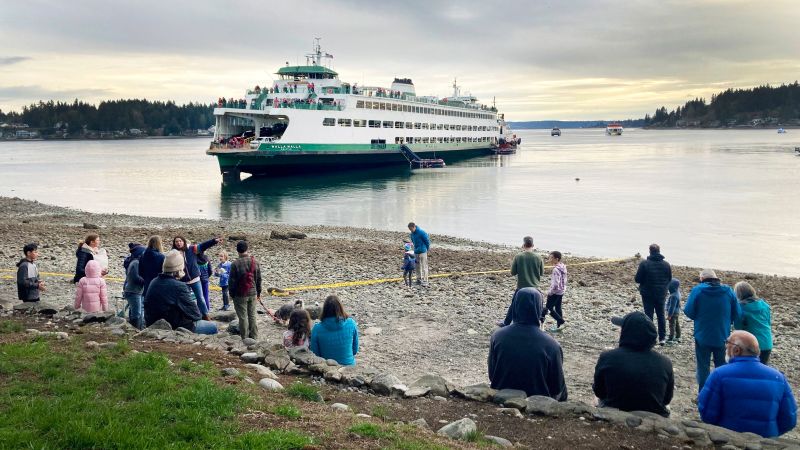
{"x": 711, "y": 198}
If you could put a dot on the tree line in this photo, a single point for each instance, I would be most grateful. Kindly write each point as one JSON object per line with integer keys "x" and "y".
{"x": 157, "y": 116}
{"x": 765, "y": 105}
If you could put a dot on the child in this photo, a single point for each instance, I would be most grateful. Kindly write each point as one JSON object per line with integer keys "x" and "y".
{"x": 299, "y": 330}
{"x": 409, "y": 263}
{"x": 558, "y": 284}
{"x": 91, "y": 294}
{"x": 673, "y": 311}
{"x": 223, "y": 271}
{"x": 28, "y": 284}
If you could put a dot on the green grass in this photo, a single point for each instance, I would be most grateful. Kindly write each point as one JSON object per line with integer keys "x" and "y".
{"x": 381, "y": 412}
{"x": 10, "y": 326}
{"x": 304, "y": 391}
{"x": 65, "y": 397}
{"x": 371, "y": 430}
{"x": 287, "y": 410}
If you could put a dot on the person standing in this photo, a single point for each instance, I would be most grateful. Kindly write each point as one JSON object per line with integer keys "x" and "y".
{"x": 633, "y": 377}
{"x": 133, "y": 288}
{"x": 746, "y": 395}
{"x": 192, "y": 276}
{"x": 674, "y": 311}
{"x": 409, "y": 263}
{"x": 223, "y": 271}
{"x": 245, "y": 288}
{"x": 91, "y": 293}
{"x": 29, "y": 286}
{"x": 151, "y": 262}
{"x": 521, "y": 356}
{"x": 555, "y": 295}
{"x": 422, "y": 244}
{"x": 89, "y": 249}
{"x": 756, "y": 318}
{"x": 528, "y": 268}
{"x": 713, "y": 307}
{"x": 653, "y": 276}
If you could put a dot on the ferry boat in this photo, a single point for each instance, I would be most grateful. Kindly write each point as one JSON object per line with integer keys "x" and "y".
{"x": 614, "y": 129}
{"x": 308, "y": 120}
{"x": 555, "y": 131}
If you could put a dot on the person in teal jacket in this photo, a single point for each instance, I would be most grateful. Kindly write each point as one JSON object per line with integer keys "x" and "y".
{"x": 336, "y": 335}
{"x": 756, "y": 318}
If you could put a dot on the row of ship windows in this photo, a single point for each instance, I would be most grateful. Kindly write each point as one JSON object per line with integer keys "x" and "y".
{"x": 330, "y": 121}
{"x": 434, "y": 140}
{"x": 421, "y": 109}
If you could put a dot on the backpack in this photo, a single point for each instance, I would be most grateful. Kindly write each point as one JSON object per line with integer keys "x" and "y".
{"x": 248, "y": 280}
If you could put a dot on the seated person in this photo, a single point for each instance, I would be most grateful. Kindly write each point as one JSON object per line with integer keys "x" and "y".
{"x": 521, "y": 356}
{"x": 170, "y": 299}
{"x": 299, "y": 330}
{"x": 745, "y": 395}
{"x": 634, "y": 377}
{"x": 336, "y": 335}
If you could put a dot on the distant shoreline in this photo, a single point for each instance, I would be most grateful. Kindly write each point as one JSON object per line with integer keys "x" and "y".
{"x": 126, "y": 138}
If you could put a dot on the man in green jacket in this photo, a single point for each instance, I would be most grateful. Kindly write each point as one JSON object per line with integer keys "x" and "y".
{"x": 528, "y": 268}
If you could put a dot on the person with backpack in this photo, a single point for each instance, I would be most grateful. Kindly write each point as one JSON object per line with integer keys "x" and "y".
{"x": 244, "y": 286}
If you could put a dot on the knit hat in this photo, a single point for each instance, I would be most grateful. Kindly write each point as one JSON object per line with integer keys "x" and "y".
{"x": 408, "y": 247}
{"x": 707, "y": 274}
{"x": 173, "y": 262}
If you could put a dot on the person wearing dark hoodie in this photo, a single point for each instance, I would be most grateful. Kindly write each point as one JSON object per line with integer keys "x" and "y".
{"x": 523, "y": 357}
{"x": 29, "y": 286}
{"x": 151, "y": 262}
{"x": 713, "y": 307}
{"x": 634, "y": 377}
{"x": 653, "y": 276}
{"x": 192, "y": 275}
{"x": 674, "y": 311}
{"x": 133, "y": 288}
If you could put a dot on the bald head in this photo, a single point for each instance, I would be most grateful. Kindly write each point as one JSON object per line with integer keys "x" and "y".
{"x": 742, "y": 343}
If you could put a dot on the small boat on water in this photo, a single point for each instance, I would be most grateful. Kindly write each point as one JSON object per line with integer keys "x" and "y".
{"x": 555, "y": 131}
{"x": 507, "y": 142}
{"x": 781, "y": 131}
{"x": 614, "y": 129}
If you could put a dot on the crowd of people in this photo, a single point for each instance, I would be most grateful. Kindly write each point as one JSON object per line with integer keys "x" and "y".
{"x": 743, "y": 393}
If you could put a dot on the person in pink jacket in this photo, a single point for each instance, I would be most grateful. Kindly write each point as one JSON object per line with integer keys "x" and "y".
{"x": 92, "y": 293}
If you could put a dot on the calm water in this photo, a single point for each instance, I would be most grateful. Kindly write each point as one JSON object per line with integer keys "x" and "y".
{"x": 725, "y": 199}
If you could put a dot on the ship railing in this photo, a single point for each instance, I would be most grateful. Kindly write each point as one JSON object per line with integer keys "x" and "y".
{"x": 311, "y": 106}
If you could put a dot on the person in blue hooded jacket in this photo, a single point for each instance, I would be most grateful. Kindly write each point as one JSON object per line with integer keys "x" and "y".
{"x": 713, "y": 307}
{"x": 336, "y": 335}
{"x": 674, "y": 311}
{"x": 746, "y": 395}
{"x": 523, "y": 357}
{"x": 756, "y": 318}
{"x": 422, "y": 244}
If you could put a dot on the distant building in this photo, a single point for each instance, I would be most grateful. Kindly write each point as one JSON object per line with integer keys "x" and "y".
{"x": 135, "y": 132}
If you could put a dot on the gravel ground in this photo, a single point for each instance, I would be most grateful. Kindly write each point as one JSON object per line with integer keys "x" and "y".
{"x": 442, "y": 329}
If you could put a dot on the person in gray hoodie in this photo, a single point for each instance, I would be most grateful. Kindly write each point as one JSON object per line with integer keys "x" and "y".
{"x": 29, "y": 286}
{"x": 674, "y": 311}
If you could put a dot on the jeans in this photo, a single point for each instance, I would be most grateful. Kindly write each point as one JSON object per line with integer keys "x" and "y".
{"x": 246, "y": 311}
{"x": 703, "y": 355}
{"x": 554, "y": 308}
{"x": 135, "y": 309}
{"x": 206, "y": 296}
{"x": 225, "y": 300}
{"x": 422, "y": 268}
{"x": 197, "y": 290}
{"x": 674, "y": 327}
{"x": 205, "y": 327}
{"x": 656, "y": 303}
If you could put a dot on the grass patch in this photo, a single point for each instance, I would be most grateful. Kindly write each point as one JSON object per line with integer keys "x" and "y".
{"x": 371, "y": 430}
{"x": 304, "y": 391}
{"x": 61, "y": 396}
{"x": 381, "y": 412}
{"x": 11, "y": 326}
{"x": 287, "y": 410}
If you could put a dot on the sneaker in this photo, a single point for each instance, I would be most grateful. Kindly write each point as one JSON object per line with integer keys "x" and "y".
{"x": 670, "y": 342}
{"x": 555, "y": 329}
{"x": 662, "y": 342}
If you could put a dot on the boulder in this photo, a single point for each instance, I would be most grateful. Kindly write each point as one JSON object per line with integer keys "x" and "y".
{"x": 498, "y": 441}
{"x": 90, "y": 226}
{"x": 503, "y": 395}
{"x": 304, "y": 357}
{"x": 513, "y": 412}
{"x": 539, "y": 404}
{"x": 270, "y": 385}
{"x": 479, "y": 392}
{"x": 516, "y": 403}
{"x": 383, "y": 382}
{"x": 159, "y": 324}
{"x": 417, "y": 391}
{"x": 571, "y": 408}
{"x": 420, "y": 423}
{"x": 277, "y": 362}
{"x": 223, "y": 316}
{"x": 230, "y": 372}
{"x": 460, "y": 429}
{"x": 37, "y": 307}
{"x": 100, "y": 316}
{"x": 115, "y": 321}
{"x": 233, "y": 327}
{"x": 340, "y": 407}
{"x": 251, "y": 357}
{"x": 263, "y": 372}
{"x": 277, "y": 234}
{"x": 249, "y": 341}
{"x": 296, "y": 234}
{"x": 436, "y": 385}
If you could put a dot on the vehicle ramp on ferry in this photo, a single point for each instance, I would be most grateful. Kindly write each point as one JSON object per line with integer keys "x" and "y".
{"x": 420, "y": 163}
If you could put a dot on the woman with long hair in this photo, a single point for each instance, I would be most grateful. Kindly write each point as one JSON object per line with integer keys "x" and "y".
{"x": 192, "y": 276}
{"x": 299, "y": 330}
{"x": 89, "y": 249}
{"x": 151, "y": 262}
{"x": 336, "y": 335}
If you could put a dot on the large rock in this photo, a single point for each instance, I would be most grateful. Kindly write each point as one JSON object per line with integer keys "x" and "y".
{"x": 460, "y": 429}
{"x": 37, "y": 307}
{"x": 115, "y": 321}
{"x": 498, "y": 441}
{"x": 262, "y": 371}
{"x": 251, "y": 357}
{"x": 479, "y": 392}
{"x": 223, "y": 316}
{"x": 417, "y": 391}
{"x": 383, "y": 382}
{"x": 571, "y": 408}
{"x": 504, "y": 395}
{"x": 233, "y": 327}
{"x": 159, "y": 324}
{"x": 436, "y": 385}
{"x": 539, "y": 404}
{"x": 304, "y": 357}
{"x": 100, "y": 316}
{"x": 270, "y": 385}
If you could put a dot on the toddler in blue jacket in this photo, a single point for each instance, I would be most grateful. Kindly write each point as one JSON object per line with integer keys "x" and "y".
{"x": 409, "y": 263}
{"x": 673, "y": 311}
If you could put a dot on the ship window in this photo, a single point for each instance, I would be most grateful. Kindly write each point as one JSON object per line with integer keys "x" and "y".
{"x": 397, "y": 140}
{"x": 433, "y": 126}
{"x": 328, "y": 121}
{"x": 446, "y": 140}
{"x": 446, "y": 126}
{"x": 405, "y": 108}
{"x": 344, "y": 122}
{"x": 409, "y": 125}
{"x": 374, "y": 123}
{"x": 359, "y": 123}
{"x": 458, "y": 140}
{"x": 439, "y": 126}
{"x": 376, "y": 105}
{"x": 387, "y": 124}
{"x": 360, "y": 104}
{"x": 409, "y": 140}
{"x": 398, "y": 124}
{"x": 417, "y": 125}
{"x": 458, "y": 127}
{"x": 424, "y": 126}
{"x": 417, "y": 140}
{"x": 425, "y": 140}
{"x": 416, "y": 109}
{"x": 383, "y": 105}
{"x": 439, "y": 140}
{"x": 368, "y": 105}
{"x": 394, "y": 106}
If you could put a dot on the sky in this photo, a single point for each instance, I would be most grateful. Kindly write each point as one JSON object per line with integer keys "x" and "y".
{"x": 540, "y": 60}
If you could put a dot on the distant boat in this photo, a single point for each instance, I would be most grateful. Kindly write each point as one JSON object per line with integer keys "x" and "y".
{"x": 614, "y": 129}
{"x": 781, "y": 131}
{"x": 555, "y": 132}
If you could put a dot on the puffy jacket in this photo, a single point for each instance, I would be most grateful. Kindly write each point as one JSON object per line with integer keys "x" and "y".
{"x": 170, "y": 299}
{"x": 747, "y": 396}
{"x": 757, "y": 319}
{"x": 653, "y": 276}
{"x": 521, "y": 356}
{"x": 190, "y": 258}
{"x": 336, "y": 339}
{"x": 91, "y": 293}
{"x": 713, "y": 307}
{"x": 85, "y": 254}
{"x": 27, "y": 280}
{"x": 150, "y": 265}
{"x": 420, "y": 240}
{"x": 633, "y": 377}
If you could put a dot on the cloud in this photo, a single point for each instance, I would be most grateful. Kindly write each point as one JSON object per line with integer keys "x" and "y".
{"x": 9, "y": 60}
{"x": 33, "y": 93}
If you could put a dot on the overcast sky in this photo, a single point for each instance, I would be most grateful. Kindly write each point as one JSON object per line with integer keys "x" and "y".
{"x": 581, "y": 59}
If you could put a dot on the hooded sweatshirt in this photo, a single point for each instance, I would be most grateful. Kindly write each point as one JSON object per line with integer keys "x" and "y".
{"x": 653, "y": 276}
{"x": 336, "y": 339}
{"x": 91, "y": 293}
{"x": 521, "y": 356}
{"x": 150, "y": 265}
{"x": 558, "y": 280}
{"x": 134, "y": 283}
{"x": 633, "y": 377}
{"x": 674, "y": 300}
{"x": 756, "y": 319}
{"x": 713, "y": 307}
{"x": 27, "y": 280}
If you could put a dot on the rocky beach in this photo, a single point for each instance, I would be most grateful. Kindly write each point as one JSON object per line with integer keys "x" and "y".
{"x": 442, "y": 329}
